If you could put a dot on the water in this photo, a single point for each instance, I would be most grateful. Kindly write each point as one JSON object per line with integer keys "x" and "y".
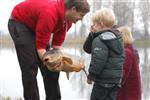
{"x": 75, "y": 88}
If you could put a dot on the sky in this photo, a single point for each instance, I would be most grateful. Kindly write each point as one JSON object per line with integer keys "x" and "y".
{"x": 6, "y": 7}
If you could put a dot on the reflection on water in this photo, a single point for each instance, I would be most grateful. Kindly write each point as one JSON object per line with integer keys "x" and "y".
{"x": 145, "y": 71}
{"x": 74, "y": 89}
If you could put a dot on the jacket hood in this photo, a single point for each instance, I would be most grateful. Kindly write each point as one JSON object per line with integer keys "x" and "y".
{"x": 108, "y": 34}
{"x": 112, "y": 38}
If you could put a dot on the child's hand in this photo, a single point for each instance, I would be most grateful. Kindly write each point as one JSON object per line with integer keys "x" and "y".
{"x": 89, "y": 81}
{"x": 92, "y": 29}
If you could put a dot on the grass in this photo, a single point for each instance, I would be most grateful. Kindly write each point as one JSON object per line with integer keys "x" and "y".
{"x": 6, "y": 41}
{"x": 145, "y": 43}
{"x": 9, "y": 98}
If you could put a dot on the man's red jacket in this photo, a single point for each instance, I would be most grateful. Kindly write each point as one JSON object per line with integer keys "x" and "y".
{"x": 44, "y": 17}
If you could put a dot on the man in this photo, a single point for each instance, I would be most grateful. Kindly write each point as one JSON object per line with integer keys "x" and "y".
{"x": 31, "y": 25}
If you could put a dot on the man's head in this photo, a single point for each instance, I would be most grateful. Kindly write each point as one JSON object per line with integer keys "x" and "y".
{"x": 103, "y": 18}
{"x": 76, "y": 9}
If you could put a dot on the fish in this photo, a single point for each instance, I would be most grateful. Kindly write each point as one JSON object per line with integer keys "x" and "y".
{"x": 54, "y": 57}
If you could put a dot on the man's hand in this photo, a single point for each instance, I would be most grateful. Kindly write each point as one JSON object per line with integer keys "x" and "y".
{"x": 41, "y": 52}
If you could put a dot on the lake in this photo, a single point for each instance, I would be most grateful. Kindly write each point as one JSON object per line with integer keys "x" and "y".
{"x": 75, "y": 88}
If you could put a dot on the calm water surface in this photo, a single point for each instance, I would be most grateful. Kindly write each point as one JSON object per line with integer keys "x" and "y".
{"x": 75, "y": 88}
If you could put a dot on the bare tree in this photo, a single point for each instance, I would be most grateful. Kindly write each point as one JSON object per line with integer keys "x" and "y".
{"x": 144, "y": 6}
{"x": 145, "y": 75}
{"x": 96, "y": 4}
{"x": 82, "y": 30}
{"x": 124, "y": 11}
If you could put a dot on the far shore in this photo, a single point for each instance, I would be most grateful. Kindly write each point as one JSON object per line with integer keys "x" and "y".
{"x": 7, "y": 42}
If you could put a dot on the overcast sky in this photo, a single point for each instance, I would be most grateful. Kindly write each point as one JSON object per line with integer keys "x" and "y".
{"x": 6, "y": 7}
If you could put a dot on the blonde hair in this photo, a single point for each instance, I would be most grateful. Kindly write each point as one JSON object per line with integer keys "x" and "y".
{"x": 104, "y": 16}
{"x": 126, "y": 34}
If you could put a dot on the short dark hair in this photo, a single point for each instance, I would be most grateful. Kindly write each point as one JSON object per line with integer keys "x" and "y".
{"x": 80, "y": 5}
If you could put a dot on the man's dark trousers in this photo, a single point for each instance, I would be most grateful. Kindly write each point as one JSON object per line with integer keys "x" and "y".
{"x": 24, "y": 40}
